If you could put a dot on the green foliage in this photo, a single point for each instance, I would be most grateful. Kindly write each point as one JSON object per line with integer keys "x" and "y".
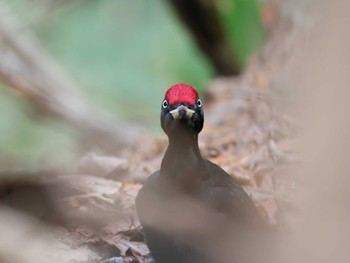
{"x": 123, "y": 54}
{"x": 28, "y": 141}
{"x": 242, "y": 22}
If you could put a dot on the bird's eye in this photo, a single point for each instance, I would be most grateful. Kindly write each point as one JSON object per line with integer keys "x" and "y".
{"x": 199, "y": 103}
{"x": 165, "y": 104}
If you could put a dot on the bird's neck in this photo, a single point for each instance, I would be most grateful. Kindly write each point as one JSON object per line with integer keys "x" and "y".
{"x": 182, "y": 160}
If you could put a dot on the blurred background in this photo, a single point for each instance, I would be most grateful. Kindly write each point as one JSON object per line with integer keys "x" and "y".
{"x": 115, "y": 56}
{"x": 90, "y": 75}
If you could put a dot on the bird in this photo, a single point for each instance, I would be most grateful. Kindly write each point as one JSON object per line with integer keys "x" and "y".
{"x": 191, "y": 207}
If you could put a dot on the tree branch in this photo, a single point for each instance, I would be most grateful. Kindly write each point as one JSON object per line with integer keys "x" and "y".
{"x": 32, "y": 73}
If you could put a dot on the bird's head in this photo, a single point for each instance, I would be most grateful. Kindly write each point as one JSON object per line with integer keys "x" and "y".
{"x": 181, "y": 111}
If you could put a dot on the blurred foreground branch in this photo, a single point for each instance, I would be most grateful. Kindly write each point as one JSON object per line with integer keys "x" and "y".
{"x": 32, "y": 73}
{"x": 17, "y": 244}
{"x": 321, "y": 231}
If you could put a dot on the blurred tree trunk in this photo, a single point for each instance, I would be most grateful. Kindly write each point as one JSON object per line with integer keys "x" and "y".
{"x": 202, "y": 19}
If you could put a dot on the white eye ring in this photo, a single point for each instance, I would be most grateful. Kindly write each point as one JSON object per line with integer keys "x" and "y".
{"x": 199, "y": 103}
{"x": 165, "y": 104}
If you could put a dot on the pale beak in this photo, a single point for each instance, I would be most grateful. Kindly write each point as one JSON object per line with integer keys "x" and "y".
{"x": 182, "y": 112}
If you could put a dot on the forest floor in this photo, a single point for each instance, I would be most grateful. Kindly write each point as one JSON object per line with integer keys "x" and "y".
{"x": 249, "y": 131}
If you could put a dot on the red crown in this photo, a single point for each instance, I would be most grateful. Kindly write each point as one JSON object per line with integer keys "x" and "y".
{"x": 181, "y": 93}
